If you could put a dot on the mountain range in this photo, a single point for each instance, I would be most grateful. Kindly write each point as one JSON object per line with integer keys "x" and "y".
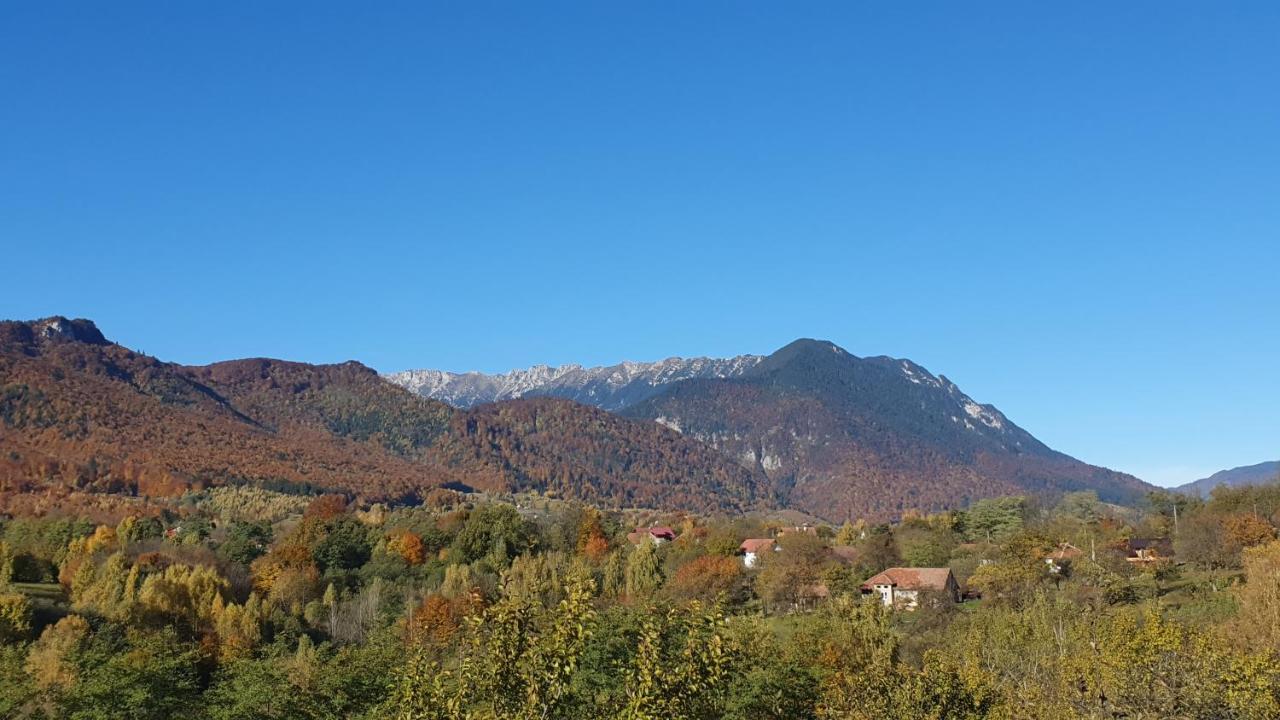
{"x": 611, "y": 388}
{"x": 80, "y": 413}
{"x": 809, "y": 427}
{"x": 836, "y": 435}
{"x": 1258, "y": 474}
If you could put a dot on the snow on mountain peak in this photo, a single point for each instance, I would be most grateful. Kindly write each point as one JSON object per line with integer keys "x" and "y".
{"x": 610, "y": 387}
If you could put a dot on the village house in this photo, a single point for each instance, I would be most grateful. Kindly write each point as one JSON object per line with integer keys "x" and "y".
{"x": 1061, "y": 557}
{"x": 656, "y": 535}
{"x": 902, "y": 587}
{"x": 753, "y": 548}
{"x": 1148, "y": 550}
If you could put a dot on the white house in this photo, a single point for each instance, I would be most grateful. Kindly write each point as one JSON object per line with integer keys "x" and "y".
{"x": 902, "y": 587}
{"x": 752, "y": 548}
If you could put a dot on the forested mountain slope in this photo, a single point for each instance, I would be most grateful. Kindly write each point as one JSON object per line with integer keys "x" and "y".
{"x": 80, "y": 412}
{"x": 841, "y": 436}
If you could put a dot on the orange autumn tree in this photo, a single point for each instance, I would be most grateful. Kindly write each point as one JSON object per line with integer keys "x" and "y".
{"x": 1244, "y": 531}
{"x": 326, "y": 507}
{"x": 706, "y": 577}
{"x": 408, "y": 545}
{"x": 437, "y": 620}
{"x": 596, "y": 548}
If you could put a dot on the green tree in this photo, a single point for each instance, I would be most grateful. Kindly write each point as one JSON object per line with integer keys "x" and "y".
{"x": 496, "y": 534}
{"x": 774, "y": 679}
{"x": 869, "y": 682}
{"x": 681, "y": 669}
{"x": 1082, "y": 506}
{"x": 246, "y": 541}
{"x": 644, "y": 571}
{"x": 1016, "y": 575}
{"x": 993, "y": 518}
{"x": 135, "y": 529}
{"x": 252, "y": 689}
{"x": 17, "y": 691}
{"x": 345, "y": 546}
{"x": 133, "y": 674}
{"x": 6, "y": 566}
{"x": 925, "y": 547}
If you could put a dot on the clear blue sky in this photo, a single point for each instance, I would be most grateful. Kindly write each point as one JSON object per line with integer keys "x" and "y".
{"x": 1071, "y": 209}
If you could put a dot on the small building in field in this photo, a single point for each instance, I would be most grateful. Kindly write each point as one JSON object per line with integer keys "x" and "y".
{"x": 904, "y": 587}
{"x": 753, "y": 548}
{"x": 656, "y": 535}
{"x": 1148, "y": 550}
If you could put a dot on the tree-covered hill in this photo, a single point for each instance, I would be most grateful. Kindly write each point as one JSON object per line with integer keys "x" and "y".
{"x": 79, "y": 413}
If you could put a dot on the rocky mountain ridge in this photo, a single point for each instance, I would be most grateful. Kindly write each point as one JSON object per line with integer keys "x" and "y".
{"x": 610, "y": 387}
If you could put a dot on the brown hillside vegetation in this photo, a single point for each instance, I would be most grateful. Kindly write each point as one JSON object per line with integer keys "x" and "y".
{"x": 97, "y": 416}
{"x": 582, "y": 452}
{"x": 80, "y": 413}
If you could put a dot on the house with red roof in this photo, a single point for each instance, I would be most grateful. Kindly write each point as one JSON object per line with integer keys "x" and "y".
{"x": 904, "y": 587}
{"x": 753, "y": 548}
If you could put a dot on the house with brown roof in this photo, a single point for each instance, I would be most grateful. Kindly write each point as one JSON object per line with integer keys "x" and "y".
{"x": 657, "y": 535}
{"x": 904, "y": 587}
{"x": 1148, "y": 550}
{"x": 753, "y": 548}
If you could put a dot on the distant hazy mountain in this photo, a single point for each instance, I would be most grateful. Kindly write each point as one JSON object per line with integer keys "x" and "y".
{"x": 610, "y": 388}
{"x": 1247, "y": 475}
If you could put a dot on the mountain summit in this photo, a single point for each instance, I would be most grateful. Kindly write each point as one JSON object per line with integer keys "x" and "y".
{"x": 836, "y": 435}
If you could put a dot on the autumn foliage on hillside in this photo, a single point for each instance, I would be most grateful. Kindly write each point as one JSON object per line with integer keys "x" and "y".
{"x": 100, "y": 417}
{"x": 572, "y": 450}
{"x": 79, "y": 414}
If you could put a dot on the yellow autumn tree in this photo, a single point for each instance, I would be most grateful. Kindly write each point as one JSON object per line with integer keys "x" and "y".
{"x": 238, "y": 627}
{"x": 1259, "y": 618}
{"x": 48, "y": 662}
{"x": 182, "y": 594}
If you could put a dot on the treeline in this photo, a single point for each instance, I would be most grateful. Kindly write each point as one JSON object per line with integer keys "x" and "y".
{"x": 241, "y": 603}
